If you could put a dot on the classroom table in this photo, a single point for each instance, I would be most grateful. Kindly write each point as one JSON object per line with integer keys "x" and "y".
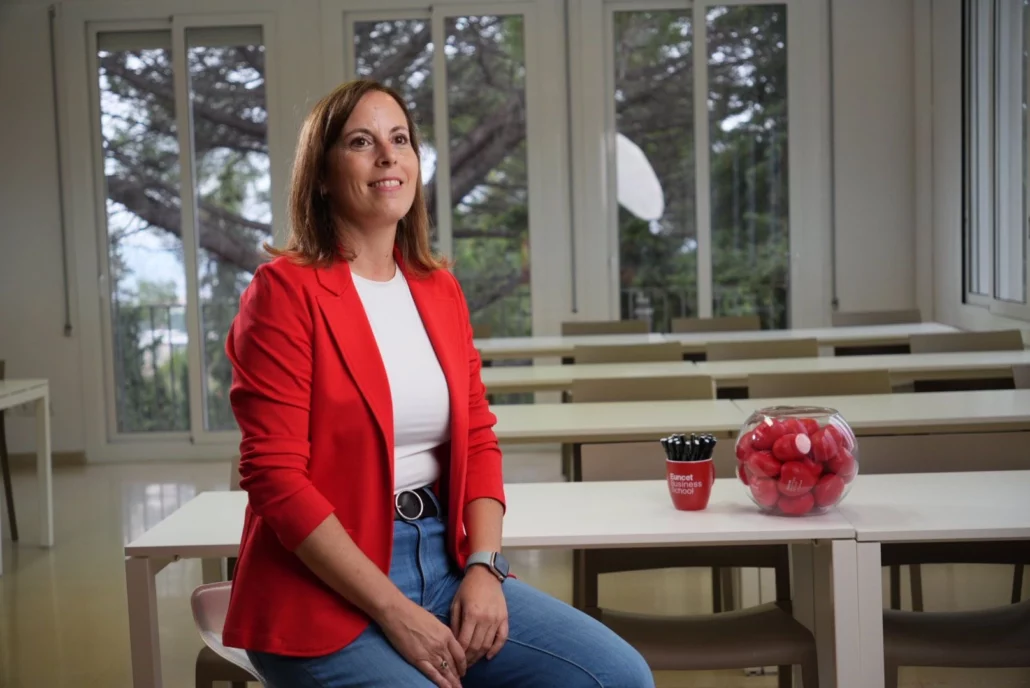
{"x": 15, "y": 393}
{"x": 926, "y": 507}
{"x": 903, "y": 369}
{"x": 557, "y": 515}
{"x": 499, "y": 348}
{"x": 981, "y": 410}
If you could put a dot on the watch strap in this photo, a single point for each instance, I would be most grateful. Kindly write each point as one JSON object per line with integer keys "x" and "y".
{"x": 483, "y": 559}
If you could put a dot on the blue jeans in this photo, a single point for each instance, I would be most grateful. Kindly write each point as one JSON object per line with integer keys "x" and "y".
{"x": 549, "y": 642}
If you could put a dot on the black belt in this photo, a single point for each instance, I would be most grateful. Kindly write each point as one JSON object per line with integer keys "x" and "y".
{"x": 412, "y": 505}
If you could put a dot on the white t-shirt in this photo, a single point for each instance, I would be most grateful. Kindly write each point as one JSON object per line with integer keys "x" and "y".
{"x": 421, "y": 406}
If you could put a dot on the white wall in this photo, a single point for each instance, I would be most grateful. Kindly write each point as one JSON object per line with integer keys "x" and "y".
{"x": 32, "y": 337}
{"x": 874, "y": 170}
{"x": 874, "y": 175}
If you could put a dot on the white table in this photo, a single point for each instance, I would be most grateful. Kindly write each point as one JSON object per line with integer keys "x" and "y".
{"x": 614, "y": 421}
{"x": 928, "y": 507}
{"x": 866, "y": 335}
{"x": 903, "y": 368}
{"x": 557, "y": 515}
{"x": 694, "y": 342}
{"x": 18, "y": 392}
{"x": 937, "y": 412}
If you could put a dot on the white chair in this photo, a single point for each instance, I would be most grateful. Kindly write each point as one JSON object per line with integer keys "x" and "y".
{"x": 210, "y": 603}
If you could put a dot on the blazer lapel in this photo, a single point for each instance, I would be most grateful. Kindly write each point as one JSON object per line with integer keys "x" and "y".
{"x": 341, "y": 305}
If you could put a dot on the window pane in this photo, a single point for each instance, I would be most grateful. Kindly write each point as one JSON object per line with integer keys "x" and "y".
{"x": 980, "y": 130}
{"x": 486, "y": 94}
{"x": 654, "y": 124}
{"x": 231, "y": 179}
{"x": 1010, "y": 245}
{"x": 747, "y": 100}
{"x": 145, "y": 251}
{"x": 399, "y": 54}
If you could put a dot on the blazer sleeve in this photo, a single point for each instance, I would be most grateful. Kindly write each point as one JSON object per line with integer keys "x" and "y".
{"x": 269, "y": 346}
{"x": 483, "y": 475}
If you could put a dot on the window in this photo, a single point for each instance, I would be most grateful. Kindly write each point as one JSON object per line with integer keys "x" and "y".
{"x": 996, "y": 155}
{"x": 184, "y": 135}
{"x": 733, "y": 250}
{"x": 480, "y": 202}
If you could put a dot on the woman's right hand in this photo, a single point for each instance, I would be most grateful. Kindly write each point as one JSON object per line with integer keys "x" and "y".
{"x": 426, "y": 643}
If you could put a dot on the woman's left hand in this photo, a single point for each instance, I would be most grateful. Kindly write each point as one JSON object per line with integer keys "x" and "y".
{"x": 479, "y": 615}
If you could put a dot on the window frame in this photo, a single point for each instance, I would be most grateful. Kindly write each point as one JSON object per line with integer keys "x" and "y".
{"x": 593, "y": 139}
{"x": 1008, "y": 207}
{"x": 84, "y": 196}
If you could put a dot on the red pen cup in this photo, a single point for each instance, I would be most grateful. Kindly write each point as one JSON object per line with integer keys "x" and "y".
{"x": 690, "y": 483}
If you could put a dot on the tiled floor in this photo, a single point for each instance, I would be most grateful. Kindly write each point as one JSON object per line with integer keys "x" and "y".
{"x": 63, "y": 611}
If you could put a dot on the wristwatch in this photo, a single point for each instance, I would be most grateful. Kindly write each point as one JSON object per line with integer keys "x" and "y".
{"x": 493, "y": 561}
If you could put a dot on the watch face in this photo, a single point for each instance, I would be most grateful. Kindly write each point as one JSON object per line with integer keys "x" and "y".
{"x": 501, "y": 564}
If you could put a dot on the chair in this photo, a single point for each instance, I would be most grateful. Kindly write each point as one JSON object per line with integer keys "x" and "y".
{"x": 5, "y": 467}
{"x": 951, "y": 342}
{"x": 212, "y": 665}
{"x": 1021, "y": 376}
{"x": 758, "y": 636}
{"x": 859, "y": 318}
{"x": 772, "y": 385}
{"x": 586, "y": 327}
{"x": 216, "y": 662}
{"x": 723, "y": 323}
{"x": 665, "y": 388}
{"x": 774, "y": 348}
{"x": 482, "y": 331}
{"x": 989, "y": 638}
{"x": 947, "y": 342}
{"x": 628, "y": 353}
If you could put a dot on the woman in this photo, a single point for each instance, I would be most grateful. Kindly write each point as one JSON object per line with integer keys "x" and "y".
{"x": 370, "y": 553}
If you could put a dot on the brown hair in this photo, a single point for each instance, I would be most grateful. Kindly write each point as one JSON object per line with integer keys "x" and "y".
{"x": 313, "y": 237}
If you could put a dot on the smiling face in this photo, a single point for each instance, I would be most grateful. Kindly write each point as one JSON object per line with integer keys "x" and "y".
{"x": 373, "y": 167}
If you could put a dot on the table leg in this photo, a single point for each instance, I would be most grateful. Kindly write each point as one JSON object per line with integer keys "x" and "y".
{"x": 44, "y": 471}
{"x": 211, "y": 571}
{"x": 825, "y": 595}
{"x": 144, "y": 641}
{"x": 870, "y": 620}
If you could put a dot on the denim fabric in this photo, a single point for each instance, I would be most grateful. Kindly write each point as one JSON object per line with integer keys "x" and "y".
{"x": 549, "y": 642}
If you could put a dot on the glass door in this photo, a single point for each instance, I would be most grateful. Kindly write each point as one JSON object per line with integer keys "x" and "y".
{"x": 184, "y": 149}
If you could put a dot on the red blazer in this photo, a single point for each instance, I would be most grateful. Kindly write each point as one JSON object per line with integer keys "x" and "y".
{"x": 312, "y": 399}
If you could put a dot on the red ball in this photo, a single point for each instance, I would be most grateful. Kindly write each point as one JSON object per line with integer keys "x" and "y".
{"x": 764, "y": 491}
{"x": 795, "y": 426}
{"x": 766, "y": 433}
{"x": 811, "y": 425}
{"x": 797, "y": 506}
{"x": 742, "y": 473}
{"x": 743, "y": 446}
{"x": 844, "y": 465}
{"x": 796, "y": 478}
{"x": 762, "y": 463}
{"x": 824, "y": 447}
{"x": 843, "y": 435}
{"x": 791, "y": 447}
{"x": 828, "y": 490}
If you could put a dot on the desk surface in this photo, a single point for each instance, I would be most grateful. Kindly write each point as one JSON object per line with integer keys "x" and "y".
{"x": 529, "y": 347}
{"x": 615, "y": 421}
{"x": 16, "y": 392}
{"x": 539, "y": 515}
{"x": 914, "y": 507}
{"x": 918, "y": 413}
{"x": 548, "y": 378}
{"x": 940, "y": 506}
{"x": 899, "y": 365}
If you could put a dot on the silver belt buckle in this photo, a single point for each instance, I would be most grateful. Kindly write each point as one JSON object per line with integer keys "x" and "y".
{"x": 397, "y": 505}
